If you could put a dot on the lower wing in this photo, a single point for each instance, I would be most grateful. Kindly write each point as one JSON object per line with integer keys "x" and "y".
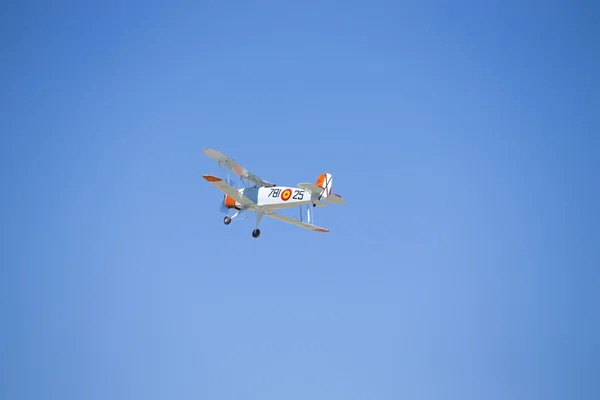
{"x": 294, "y": 221}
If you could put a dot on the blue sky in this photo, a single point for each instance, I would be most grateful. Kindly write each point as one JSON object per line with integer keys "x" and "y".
{"x": 463, "y": 137}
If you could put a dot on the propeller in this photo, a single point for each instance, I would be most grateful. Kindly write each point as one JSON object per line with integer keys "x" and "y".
{"x": 222, "y": 208}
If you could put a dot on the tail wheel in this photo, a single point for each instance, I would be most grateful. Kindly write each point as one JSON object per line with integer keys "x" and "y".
{"x": 256, "y": 233}
{"x": 227, "y": 220}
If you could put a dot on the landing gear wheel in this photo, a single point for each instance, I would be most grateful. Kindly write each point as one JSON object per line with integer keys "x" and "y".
{"x": 227, "y": 220}
{"x": 256, "y": 233}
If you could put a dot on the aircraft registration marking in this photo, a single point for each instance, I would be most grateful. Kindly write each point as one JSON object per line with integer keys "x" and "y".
{"x": 286, "y": 194}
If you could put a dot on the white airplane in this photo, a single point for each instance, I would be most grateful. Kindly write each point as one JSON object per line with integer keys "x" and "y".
{"x": 264, "y": 197}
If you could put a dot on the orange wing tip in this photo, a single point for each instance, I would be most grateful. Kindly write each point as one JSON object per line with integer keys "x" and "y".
{"x": 322, "y": 230}
{"x": 211, "y": 178}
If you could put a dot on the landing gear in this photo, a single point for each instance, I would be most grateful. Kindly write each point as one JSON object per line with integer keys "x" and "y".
{"x": 256, "y": 232}
{"x": 227, "y": 220}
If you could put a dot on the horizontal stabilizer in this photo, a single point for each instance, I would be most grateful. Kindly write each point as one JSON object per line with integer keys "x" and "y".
{"x": 311, "y": 187}
{"x": 335, "y": 199}
{"x": 294, "y": 221}
{"x": 228, "y": 190}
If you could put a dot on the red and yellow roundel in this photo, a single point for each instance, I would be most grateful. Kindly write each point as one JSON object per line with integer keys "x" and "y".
{"x": 286, "y": 194}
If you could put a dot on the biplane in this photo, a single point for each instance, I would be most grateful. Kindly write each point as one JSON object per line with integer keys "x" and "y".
{"x": 263, "y": 197}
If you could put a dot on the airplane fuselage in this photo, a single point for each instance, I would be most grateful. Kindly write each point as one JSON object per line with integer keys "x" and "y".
{"x": 277, "y": 197}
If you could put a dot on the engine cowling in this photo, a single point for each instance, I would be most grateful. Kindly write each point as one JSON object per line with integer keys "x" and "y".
{"x": 231, "y": 203}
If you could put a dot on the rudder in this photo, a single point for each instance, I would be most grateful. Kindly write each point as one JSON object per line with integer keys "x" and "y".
{"x": 324, "y": 181}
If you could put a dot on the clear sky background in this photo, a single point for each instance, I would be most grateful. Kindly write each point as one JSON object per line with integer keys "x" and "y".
{"x": 463, "y": 136}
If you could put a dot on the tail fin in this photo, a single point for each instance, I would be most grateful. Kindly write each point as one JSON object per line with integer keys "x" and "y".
{"x": 324, "y": 181}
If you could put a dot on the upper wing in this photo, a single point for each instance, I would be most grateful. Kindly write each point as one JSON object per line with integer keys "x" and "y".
{"x": 235, "y": 167}
{"x": 295, "y": 222}
{"x": 228, "y": 190}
